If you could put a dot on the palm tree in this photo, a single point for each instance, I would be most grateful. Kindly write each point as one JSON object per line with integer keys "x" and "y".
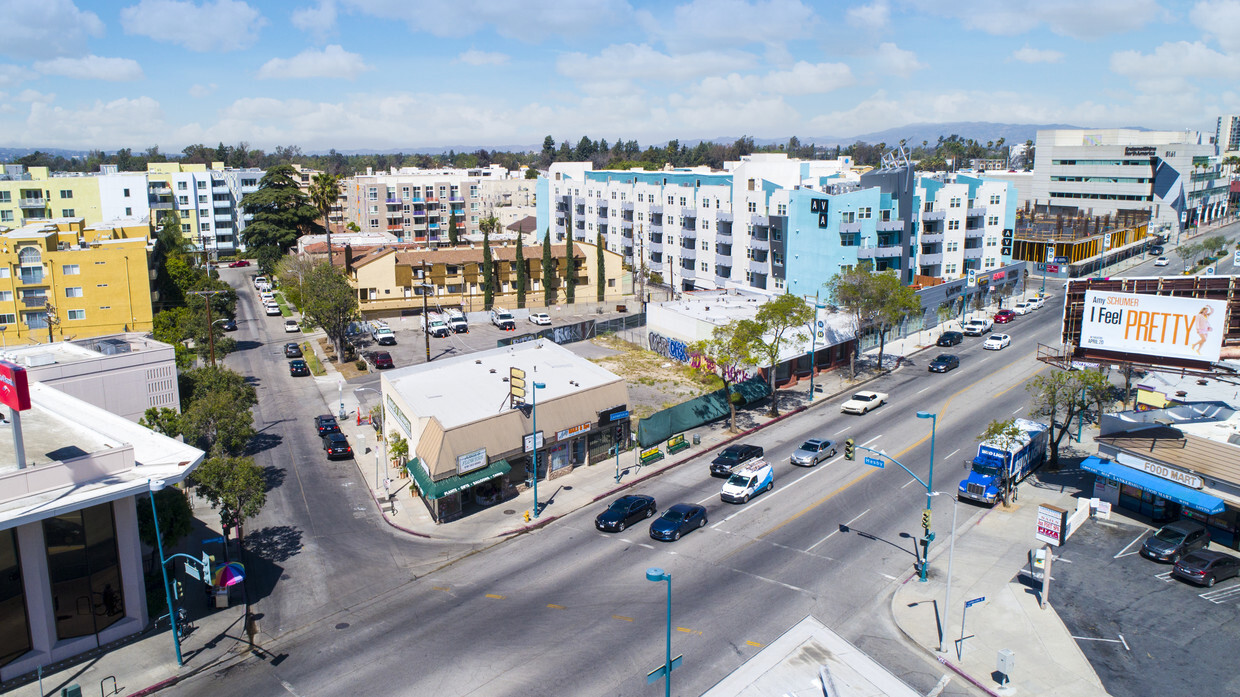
{"x": 324, "y": 189}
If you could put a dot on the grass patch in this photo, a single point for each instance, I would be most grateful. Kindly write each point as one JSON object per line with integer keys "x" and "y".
{"x": 312, "y": 360}
{"x": 283, "y": 304}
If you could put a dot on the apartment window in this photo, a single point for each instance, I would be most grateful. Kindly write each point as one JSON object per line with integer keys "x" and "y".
{"x": 202, "y": 185}
{"x": 705, "y": 203}
{"x": 182, "y": 186}
{"x": 205, "y": 227}
{"x": 204, "y": 213}
{"x": 66, "y": 193}
{"x": 955, "y": 202}
{"x": 77, "y": 314}
{"x": 705, "y": 224}
{"x": 702, "y": 264}
{"x": 84, "y": 565}
{"x": 951, "y": 268}
{"x": 202, "y": 201}
{"x": 126, "y": 193}
{"x": 374, "y": 222}
{"x": 6, "y": 216}
{"x": 994, "y": 200}
{"x": 951, "y": 246}
{"x": 953, "y": 225}
{"x": 671, "y": 220}
{"x": 66, "y": 212}
{"x": 641, "y": 198}
{"x": 682, "y": 201}
{"x": 847, "y": 217}
{"x": 781, "y": 209}
{"x": 185, "y": 228}
{"x": 753, "y": 207}
{"x": 622, "y": 195}
{"x": 863, "y": 214}
{"x": 72, "y": 292}
{"x": 992, "y": 220}
{"x": 372, "y": 194}
{"x": 128, "y": 212}
{"x": 671, "y": 200}
{"x": 8, "y": 318}
{"x": 705, "y": 246}
{"x": 6, "y": 296}
{"x": 183, "y": 200}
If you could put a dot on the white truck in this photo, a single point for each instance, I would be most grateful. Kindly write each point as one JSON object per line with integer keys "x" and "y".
{"x": 978, "y": 327}
{"x": 435, "y": 325}
{"x": 382, "y": 334}
{"x": 456, "y": 321}
{"x": 503, "y": 318}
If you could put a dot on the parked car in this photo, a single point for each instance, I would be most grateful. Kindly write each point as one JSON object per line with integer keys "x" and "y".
{"x": 336, "y": 445}
{"x": 292, "y": 350}
{"x": 950, "y": 338}
{"x": 625, "y": 511}
{"x": 380, "y": 359}
{"x": 326, "y": 424}
{"x": 298, "y": 368}
{"x": 272, "y": 309}
{"x": 731, "y": 456}
{"x": 863, "y": 402}
{"x": 977, "y": 327}
{"x": 997, "y": 342}
{"x": 260, "y": 281}
{"x": 1004, "y": 316}
{"x": 1037, "y": 301}
{"x": 239, "y": 263}
{"x": 1174, "y": 540}
{"x": 1023, "y": 308}
{"x": 813, "y": 451}
{"x": 943, "y": 363}
{"x": 1205, "y": 568}
{"x": 678, "y": 520}
{"x": 266, "y": 296}
{"x": 540, "y": 318}
{"x": 290, "y": 325}
{"x": 503, "y": 318}
{"x": 1156, "y": 250}
{"x": 1161, "y": 261}
{"x": 229, "y": 325}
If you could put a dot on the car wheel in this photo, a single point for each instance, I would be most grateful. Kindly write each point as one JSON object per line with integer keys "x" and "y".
{"x": 746, "y": 499}
{"x": 702, "y": 522}
{"x": 620, "y": 527}
{"x": 832, "y": 453}
{"x": 1210, "y": 582}
{"x": 676, "y": 535}
{"x": 770, "y": 485}
{"x": 649, "y": 512}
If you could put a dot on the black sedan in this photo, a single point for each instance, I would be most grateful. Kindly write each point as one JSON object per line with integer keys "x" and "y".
{"x": 1205, "y": 567}
{"x": 229, "y": 325}
{"x": 950, "y": 339}
{"x": 336, "y": 445}
{"x": 326, "y": 424}
{"x": 678, "y": 520}
{"x": 298, "y": 368}
{"x": 943, "y": 363}
{"x": 625, "y": 511}
{"x": 732, "y": 456}
{"x": 292, "y": 350}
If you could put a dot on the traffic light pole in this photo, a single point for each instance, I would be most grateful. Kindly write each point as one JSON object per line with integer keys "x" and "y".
{"x": 850, "y": 448}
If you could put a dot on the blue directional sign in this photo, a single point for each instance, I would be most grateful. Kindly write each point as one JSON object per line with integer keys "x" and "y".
{"x": 975, "y": 601}
{"x": 619, "y": 416}
{"x": 874, "y": 462}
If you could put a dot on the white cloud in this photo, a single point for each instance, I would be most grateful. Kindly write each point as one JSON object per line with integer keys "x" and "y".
{"x": 318, "y": 20}
{"x": 802, "y": 79}
{"x": 1220, "y": 20}
{"x": 35, "y": 97}
{"x": 641, "y": 62}
{"x": 93, "y": 68}
{"x": 1036, "y": 55}
{"x": 47, "y": 28}
{"x": 1074, "y": 18}
{"x": 873, "y": 16}
{"x": 215, "y": 25}
{"x": 475, "y": 57}
{"x": 1169, "y": 67}
{"x": 135, "y": 122}
{"x": 332, "y": 62}
{"x": 200, "y": 91}
{"x": 12, "y": 74}
{"x": 530, "y": 20}
{"x": 893, "y": 60}
{"x": 704, "y": 23}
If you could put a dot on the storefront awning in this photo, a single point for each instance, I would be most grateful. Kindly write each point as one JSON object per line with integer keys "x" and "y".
{"x": 457, "y": 482}
{"x": 1169, "y": 490}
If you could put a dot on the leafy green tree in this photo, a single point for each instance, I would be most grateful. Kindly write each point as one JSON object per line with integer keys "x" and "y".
{"x": 601, "y": 262}
{"x": 1062, "y": 396}
{"x": 162, "y": 420}
{"x": 570, "y": 272}
{"x": 726, "y": 351}
{"x": 548, "y": 272}
{"x": 453, "y": 237}
{"x": 1003, "y": 435}
{"x": 234, "y": 486}
{"x": 398, "y": 448}
{"x": 780, "y": 320}
{"x": 292, "y": 270}
{"x": 488, "y": 271}
{"x": 324, "y": 190}
{"x": 217, "y": 424}
{"x": 200, "y": 382}
{"x": 176, "y": 520}
{"x": 268, "y": 258}
{"x": 282, "y": 213}
{"x": 522, "y": 272}
{"x": 852, "y": 291}
{"x": 330, "y": 303}
{"x": 896, "y": 303}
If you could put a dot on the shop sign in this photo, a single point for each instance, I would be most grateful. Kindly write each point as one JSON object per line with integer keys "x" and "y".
{"x": 471, "y": 461}
{"x": 574, "y": 431}
{"x": 528, "y": 442}
{"x": 1161, "y": 471}
{"x": 1052, "y": 521}
{"x": 14, "y": 387}
{"x": 1052, "y": 268}
{"x": 1157, "y": 325}
{"x": 999, "y": 275}
{"x": 1140, "y": 151}
{"x": 820, "y": 206}
{"x": 400, "y": 417}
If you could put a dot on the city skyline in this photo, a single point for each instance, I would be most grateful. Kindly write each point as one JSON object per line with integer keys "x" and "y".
{"x": 375, "y": 75}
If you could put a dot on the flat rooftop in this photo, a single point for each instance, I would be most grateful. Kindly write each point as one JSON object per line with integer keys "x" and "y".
{"x": 465, "y": 389}
{"x": 62, "y": 352}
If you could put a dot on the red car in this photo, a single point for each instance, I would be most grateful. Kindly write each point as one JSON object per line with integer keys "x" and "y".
{"x": 239, "y": 263}
{"x": 1004, "y": 316}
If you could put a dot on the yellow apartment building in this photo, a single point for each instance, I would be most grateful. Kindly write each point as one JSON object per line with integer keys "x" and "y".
{"x": 81, "y": 280}
{"x": 38, "y": 195}
{"x": 390, "y": 281}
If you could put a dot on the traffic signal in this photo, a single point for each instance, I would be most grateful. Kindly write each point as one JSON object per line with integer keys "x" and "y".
{"x": 849, "y": 450}
{"x": 180, "y": 592}
{"x": 925, "y": 519}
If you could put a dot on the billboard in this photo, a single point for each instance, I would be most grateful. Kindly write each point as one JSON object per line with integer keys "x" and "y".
{"x": 14, "y": 389}
{"x": 1153, "y": 325}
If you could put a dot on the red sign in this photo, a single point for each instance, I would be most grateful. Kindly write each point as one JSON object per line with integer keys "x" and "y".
{"x": 1052, "y": 268}
{"x": 999, "y": 275}
{"x": 14, "y": 390}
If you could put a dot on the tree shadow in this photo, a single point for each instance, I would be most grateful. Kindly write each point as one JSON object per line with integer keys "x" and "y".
{"x": 263, "y": 440}
{"x": 273, "y": 477}
{"x": 246, "y": 345}
{"x": 275, "y": 543}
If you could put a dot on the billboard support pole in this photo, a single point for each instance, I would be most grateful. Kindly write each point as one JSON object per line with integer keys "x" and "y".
{"x": 19, "y": 445}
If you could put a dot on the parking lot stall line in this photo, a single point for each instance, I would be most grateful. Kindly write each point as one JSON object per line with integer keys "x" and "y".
{"x": 1124, "y": 552}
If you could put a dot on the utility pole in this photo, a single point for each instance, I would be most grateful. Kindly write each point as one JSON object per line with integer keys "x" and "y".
{"x": 210, "y": 325}
{"x": 425, "y": 333}
{"x": 52, "y": 320}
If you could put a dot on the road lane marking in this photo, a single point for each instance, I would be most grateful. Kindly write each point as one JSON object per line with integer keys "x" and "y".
{"x": 1018, "y": 411}
{"x": 1125, "y": 549}
{"x": 1026, "y": 380}
{"x": 908, "y": 482}
{"x": 441, "y": 588}
{"x": 689, "y": 631}
{"x": 495, "y": 597}
{"x": 622, "y": 618}
{"x": 553, "y": 606}
{"x": 835, "y": 531}
{"x": 1221, "y": 595}
{"x": 706, "y": 499}
{"x": 643, "y": 544}
{"x": 785, "y": 487}
{"x": 754, "y": 644}
{"x": 923, "y": 389}
{"x": 288, "y": 687}
{"x": 889, "y": 577}
{"x": 952, "y": 453}
{"x": 1120, "y": 640}
{"x": 870, "y": 441}
{"x": 771, "y": 580}
{"x": 841, "y": 430}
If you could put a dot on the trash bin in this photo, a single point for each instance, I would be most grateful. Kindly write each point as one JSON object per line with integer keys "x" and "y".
{"x": 71, "y": 691}
{"x": 697, "y": 440}
{"x": 221, "y": 598}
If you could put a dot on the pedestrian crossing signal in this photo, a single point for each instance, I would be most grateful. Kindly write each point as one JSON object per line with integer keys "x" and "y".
{"x": 850, "y": 452}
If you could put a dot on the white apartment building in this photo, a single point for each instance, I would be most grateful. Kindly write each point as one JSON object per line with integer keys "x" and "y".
{"x": 963, "y": 218}
{"x": 1227, "y": 135}
{"x": 1174, "y": 175}
{"x": 208, "y": 202}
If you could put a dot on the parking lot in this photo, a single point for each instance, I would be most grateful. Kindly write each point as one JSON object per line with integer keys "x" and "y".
{"x": 1144, "y": 632}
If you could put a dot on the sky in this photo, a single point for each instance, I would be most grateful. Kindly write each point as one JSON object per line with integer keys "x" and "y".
{"x": 405, "y": 74}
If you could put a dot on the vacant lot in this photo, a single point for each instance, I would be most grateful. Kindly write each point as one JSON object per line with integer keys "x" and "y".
{"x": 655, "y": 382}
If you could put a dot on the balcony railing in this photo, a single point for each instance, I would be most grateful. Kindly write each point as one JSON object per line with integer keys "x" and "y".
{"x": 31, "y": 276}
{"x": 34, "y": 301}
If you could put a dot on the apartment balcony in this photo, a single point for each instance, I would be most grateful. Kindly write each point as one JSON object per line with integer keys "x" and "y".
{"x": 763, "y": 245}
{"x": 626, "y": 206}
{"x": 219, "y": 188}
{"x": 930, "y": 259}
{"x": 688, "y": 213}
{"x": 976, "y": 213}
{"x": 932, "y": 238}
{"x": 759, "y": 219}
{"x": 974, "y": 233}
{"x": 655, "y": 265}
{"x": 249, "y": 189}
{"x": 890, "y": 226}
{"x": 456, "y": 199}
{"x": 724, "y": 231}
{"x": 393, "y": 201}
{"x": 848, "y": 228}
{"x": 223, "y": 217}
{"x": 934, "y": 215}
{"x": 34, "y": 301}
{"x": 394, "y": 227}
{"x": 688, "y": 253}
{"x": 973, "y": 252}
{"x": 723, "y": 216}
{"x": 161, "y": 205}
{"x": 758, "y": 267}
{"x": 417, "y": 199}
{"x": 627, "y": 233}
{"x": 723, "y": 260}
{"x": 655, "y": 246}
{"x": 656, "y": 208}
{"x": 722, "y": 274}
{"x": 879, "y": 252}
{"x": 602, "y": 211}
{"x": 32, "y": 202}
{"x": 221, "y": 204}
{"x": 159, "y": 190}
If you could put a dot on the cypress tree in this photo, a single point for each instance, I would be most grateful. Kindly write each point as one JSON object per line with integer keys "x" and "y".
{"x": 488, "y": 288}
{"x": 548, "y": 272}
{"x": 521, "y": 270}
{"x": 452, "y": 236}
{"x": 601, "y": 282}
{"x": 570, "y": 272}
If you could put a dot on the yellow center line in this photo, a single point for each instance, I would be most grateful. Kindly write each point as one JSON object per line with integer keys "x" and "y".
{"x": 494, "y": 596}
{"x": 440, "y": 588}
{"x": 622, "y": 618}
{"x": 689, "y": 631}
{"x": 754, "y": 644}
{"x": 553, "y": 606}
{"x": 1026, "y": 380}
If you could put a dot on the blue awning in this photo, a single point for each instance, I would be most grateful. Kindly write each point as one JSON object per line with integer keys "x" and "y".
{"x": 1169, "y": 490}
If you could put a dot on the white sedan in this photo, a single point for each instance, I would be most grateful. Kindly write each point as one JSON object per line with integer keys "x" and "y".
{"x": 272, "y": 309}
{"x": 863, "y": 402}
{"x": 290, "y": 326}
{"x": 540, "y": 318}
{"x": 1161, "y": 261}
{"x": 997, "y": 342}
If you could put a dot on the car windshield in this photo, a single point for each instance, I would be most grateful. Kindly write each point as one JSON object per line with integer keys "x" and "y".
{"x": 740, "y": 481}
{"x": 943, "y": 359}
{"x": 730, "y": 454}
{"x": 674, "y": 516}
{"x": 987, "y": 470}
{"x": 1169, "y": 535}
{"x": 862, "y": 397}
{"x": 810, "y": 445}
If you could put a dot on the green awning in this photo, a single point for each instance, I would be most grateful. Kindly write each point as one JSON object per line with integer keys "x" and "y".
{"x": 457, "y": 482}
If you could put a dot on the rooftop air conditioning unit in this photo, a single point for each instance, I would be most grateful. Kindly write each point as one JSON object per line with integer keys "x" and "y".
{"x": 35, "y": 360}
{"x": 112, "y": 347}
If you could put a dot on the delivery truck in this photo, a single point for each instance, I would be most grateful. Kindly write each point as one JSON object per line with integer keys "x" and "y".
{"x": 996, "y": 469}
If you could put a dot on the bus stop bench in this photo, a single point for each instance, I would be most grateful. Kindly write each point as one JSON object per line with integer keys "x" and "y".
{"x": 651, "y": 456}
{"x": 676, "y": 444}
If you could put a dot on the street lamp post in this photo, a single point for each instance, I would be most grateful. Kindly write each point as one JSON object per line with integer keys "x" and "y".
{"x": 656, "y": 575}
{"x": 951, "y": 553}
{"x": 925, "y": 554}
{"x": 534, "y": 409}
{"x": 154, "y": 486}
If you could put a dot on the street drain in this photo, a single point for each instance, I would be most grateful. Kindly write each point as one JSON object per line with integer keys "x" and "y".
{"x": 342, "y": 625}
{"x": 509, "y": 511}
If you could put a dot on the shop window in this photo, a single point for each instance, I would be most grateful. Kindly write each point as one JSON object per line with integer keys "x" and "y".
{"x": 15, "y": 639}
{"x": 84, "y": 570}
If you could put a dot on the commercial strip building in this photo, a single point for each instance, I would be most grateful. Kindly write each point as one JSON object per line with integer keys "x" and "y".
{"x": 469, "y": 447}
{"x": 64, "y": 279}
{"x": 1172, "y": 178}
{"x": 70, "y": 554}
{"x": 391, "y": 281}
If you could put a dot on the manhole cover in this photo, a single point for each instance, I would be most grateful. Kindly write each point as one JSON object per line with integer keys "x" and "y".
{"x": 509, "y": 511}
{"x": 342, "y": 625}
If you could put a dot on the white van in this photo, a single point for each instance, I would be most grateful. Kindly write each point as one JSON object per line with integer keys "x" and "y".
{"x": 456, "y": 321}
{"x": 382, "y": 334}
{"x": 748, "y": 481}
{"x": 435, "y": 325}
{"x": 503, "y": 318}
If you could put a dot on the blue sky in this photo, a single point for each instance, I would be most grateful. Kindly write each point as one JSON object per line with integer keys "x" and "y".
{"x": 404, "y": 74}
